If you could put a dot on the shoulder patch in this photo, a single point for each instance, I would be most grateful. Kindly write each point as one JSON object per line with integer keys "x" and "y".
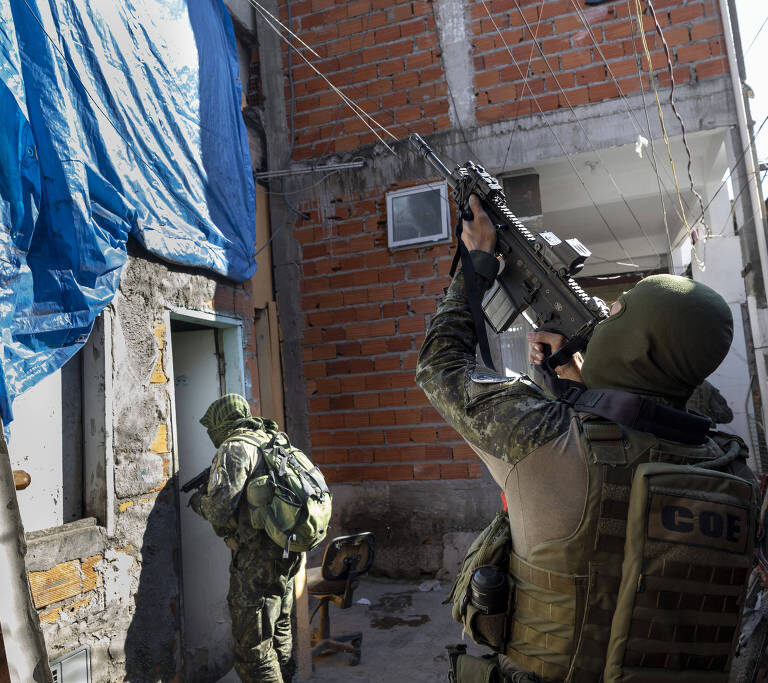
{"x": 483, "y": 376}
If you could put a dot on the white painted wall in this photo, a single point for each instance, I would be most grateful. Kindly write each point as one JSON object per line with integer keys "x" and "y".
{"x": 723, "y": 264}
{"x": 35, "y": 446}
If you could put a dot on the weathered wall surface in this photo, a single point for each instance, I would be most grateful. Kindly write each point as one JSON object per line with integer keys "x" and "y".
{"x": 112, "y": 581}
{"x": 422, "y": 528}
{"x": 121, "y": 594}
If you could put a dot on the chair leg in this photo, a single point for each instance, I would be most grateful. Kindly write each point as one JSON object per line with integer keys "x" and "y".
{"x": 323, "y": 643}
{"x": 323, "y": 629}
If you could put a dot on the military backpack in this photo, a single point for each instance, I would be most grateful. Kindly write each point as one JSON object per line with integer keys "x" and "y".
{"x": 288, "y": 498}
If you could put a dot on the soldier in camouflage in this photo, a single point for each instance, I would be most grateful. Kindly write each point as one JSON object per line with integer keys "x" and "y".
{"x": 261, "y": 582}
{"x": 566, "y": 474}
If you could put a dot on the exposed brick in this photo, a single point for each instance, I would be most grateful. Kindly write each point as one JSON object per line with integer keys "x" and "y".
{"x": 366, "y": 306}
{"x": 399, "y": 472}
{"x": 455, "y": 470}
{"x": 59, "y": 583}
{"x": 426, "y": 471}
{"x": 693, "y": 53}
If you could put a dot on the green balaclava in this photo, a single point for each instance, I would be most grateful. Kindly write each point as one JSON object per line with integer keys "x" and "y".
{"x": 230, "y": 413}
{"x": 669, "y": 335}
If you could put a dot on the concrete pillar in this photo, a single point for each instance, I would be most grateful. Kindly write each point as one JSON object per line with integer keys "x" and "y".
{"x": 286, "y": 252}
{"x": 755, "y": 311}
{"x": 455, "y": 43}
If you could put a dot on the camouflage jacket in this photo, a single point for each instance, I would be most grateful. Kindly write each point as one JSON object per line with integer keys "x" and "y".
{"x": 231, "y": 469}
{"x": 503, "y": 418}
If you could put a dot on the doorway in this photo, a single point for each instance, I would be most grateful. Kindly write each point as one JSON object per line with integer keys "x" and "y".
{"x": 206, "y": 362}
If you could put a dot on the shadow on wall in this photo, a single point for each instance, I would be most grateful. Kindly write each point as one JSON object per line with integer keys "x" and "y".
{"x": 153, "y": 641}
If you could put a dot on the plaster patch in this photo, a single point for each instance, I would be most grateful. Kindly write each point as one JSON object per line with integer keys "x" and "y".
{"x": 117, "y": 576}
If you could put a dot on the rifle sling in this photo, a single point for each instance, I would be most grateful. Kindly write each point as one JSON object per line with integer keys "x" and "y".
{"x": 474, "y": 295}
{"x": 641, "y": 413}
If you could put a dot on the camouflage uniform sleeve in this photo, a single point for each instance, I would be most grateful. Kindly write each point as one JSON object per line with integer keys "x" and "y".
{"x": 232, "y": 465}
{"x": 505, "y": 418}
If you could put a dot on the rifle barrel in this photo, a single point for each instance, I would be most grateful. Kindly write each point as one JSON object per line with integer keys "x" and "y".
{"x": 426, "y": 151}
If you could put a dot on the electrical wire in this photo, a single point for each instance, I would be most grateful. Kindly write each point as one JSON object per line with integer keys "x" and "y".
{"x": 733, "y": 167}
{"x": 672, "y": 102}
{"x": 630, "y": 111}
{"x": 359, "y": 112}
{"x": 558, "y": 140}
{"x": 586, "y": 135}
{"x": 759, "y": 31}
{"x": 651, "y": 140}
{"x": 638, "y": 127}
{"x": 525, "y": 82}
{"x": 652, "y": 78}
{"x": 750, "y": 217}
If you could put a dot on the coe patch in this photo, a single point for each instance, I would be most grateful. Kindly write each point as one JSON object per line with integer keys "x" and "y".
{"x": 694, "y": 521}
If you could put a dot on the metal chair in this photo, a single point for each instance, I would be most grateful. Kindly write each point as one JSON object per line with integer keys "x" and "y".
{"x": 344, "y": 560}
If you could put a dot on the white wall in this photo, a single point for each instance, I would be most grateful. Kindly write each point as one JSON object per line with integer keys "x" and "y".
{"x": 36, "y": 446}
{"x": 723, "y": 264}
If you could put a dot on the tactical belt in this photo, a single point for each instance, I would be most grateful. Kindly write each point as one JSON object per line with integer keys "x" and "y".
{"x": 639, "y": 412}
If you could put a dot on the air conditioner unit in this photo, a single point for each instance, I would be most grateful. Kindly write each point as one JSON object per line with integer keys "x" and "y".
{"x": 74, "y": 667}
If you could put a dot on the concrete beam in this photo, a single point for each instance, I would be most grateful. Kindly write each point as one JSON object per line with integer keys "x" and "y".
{"x": 704, "y": 106}
{"x": 48, "y": 547}
{"x": 243, "y": 14}
{"x": 455, "y": 43}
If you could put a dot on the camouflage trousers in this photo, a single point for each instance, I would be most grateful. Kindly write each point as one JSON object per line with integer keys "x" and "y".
{"x": 260, "y": 601}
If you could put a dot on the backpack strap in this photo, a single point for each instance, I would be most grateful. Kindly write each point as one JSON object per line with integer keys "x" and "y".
{"x": 641, "y": 413}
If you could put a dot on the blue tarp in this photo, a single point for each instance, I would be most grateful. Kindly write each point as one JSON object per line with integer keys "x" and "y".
{"x": 117, "y": 118}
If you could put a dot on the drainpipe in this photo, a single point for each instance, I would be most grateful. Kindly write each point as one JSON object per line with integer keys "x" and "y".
{"x": 757, "y": 316}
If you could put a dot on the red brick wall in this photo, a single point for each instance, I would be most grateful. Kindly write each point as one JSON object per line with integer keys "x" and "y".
{"x": 693, "y": 32}
{"x": 385, "y": 56}
{"x": 365, "y": 309}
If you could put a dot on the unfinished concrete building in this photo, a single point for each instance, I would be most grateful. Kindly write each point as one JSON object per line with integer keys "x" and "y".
{"x": 555, "y": 99}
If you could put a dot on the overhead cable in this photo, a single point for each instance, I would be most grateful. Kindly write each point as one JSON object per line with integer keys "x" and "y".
{"x": 557, "y": 138}
{"x": 276, "y": 25}
{"x": 652, "y": 79}
{"x": 759, "y": 31}
{"x": 672, "y": 102}
{"x": 585, "y": 133}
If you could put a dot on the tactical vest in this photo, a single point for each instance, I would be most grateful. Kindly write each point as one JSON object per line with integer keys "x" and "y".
{"x": 651, "y": 584}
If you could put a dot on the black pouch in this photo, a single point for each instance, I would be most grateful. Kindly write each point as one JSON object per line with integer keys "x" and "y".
{"x": 491, "y": 547}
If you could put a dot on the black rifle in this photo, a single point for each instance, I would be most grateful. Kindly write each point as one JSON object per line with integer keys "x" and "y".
{"x": 536, "y": 273}
{"x": 198, "y": 481}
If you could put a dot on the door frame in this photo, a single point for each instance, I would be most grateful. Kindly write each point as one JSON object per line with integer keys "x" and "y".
{"x": 234, "y": 382}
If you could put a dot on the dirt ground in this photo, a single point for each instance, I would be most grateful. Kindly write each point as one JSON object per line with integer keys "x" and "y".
{"x": 405, "y": 631}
